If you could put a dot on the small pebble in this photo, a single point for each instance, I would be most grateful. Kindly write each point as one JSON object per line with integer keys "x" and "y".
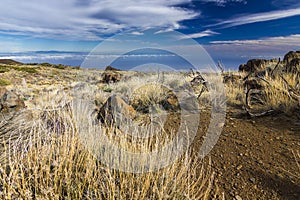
{"x": 252, "y": 180}
{"x": 239, "y": 167}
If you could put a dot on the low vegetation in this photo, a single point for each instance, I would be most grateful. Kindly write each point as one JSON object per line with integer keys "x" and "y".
{"x": 21, "y": 68}
{"x": 4, "y": 82}
{"x": 45, "y": 158}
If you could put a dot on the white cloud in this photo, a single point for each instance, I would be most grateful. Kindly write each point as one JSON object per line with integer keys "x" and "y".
{"x": 88, "y": 20}
{"x": 258, "y": 17}
{"x": 291, "y": 40}
{"x": 224, "y": 2}
{"x": 271, "y": 47}
{"x": 137, "y": 33}
{"x": 199, "y": 35}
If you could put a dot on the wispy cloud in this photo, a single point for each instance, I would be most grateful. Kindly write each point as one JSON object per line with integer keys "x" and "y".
{"x": 199, "y": 35}
{"x": 137, "y": 33}
{"x": 291, "y": 40}
{"x": 224, "y": 2}
{"x": 88, "y": 20}
{"x": 258, "y": 17}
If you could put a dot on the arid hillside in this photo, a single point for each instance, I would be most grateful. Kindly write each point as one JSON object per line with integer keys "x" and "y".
{"x": 47, "y": 112}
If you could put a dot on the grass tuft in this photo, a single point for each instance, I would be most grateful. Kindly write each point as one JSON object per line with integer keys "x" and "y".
{"x": 45, "y": 157}
{"x": 4, "y": 82}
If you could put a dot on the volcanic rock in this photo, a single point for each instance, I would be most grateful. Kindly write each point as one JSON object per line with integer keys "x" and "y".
{"x": 116, "y": 111}
{"x": 110, "y": 68}
{"x": 111, "y": 76}
{"x": 256, "y": 65}
{"x": 10, "y": 101}
{"x": 290, "y": 56}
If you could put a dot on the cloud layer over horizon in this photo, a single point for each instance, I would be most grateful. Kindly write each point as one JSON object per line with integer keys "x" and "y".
{"x": 228, "y": 29}
{"x": 88, "y": 20}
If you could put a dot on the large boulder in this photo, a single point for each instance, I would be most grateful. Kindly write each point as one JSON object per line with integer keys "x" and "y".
{"x": 253, "y": 65}
{"x": 244, "y": 68}
{"x": 10, "y": 101}
{"x": 111, "y": 76}
{"x": 116, "y": 112}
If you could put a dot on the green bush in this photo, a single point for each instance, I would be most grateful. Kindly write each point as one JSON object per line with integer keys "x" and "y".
{"x": 107, "y": 89}
{"x": 26, "y": 69}
{"x": 4, "y": 82}
{"x": 46, "y": 64}
{"x": 60, "y": 66}
{"x": 32, "y": 63}
{"x": 4, "y": 68}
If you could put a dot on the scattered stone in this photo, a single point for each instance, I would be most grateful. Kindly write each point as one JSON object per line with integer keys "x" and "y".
{"x": 280, "y": 176}
{"x": 239, "y": 167}
{"x": 252, "y": 180}
{"x": 237, "y": 197}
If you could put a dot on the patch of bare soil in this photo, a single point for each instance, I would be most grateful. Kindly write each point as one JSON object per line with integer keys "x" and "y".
{"x": 253, "y": 157}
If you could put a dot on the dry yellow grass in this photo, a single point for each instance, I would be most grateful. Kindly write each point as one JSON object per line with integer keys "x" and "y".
{"x": 43, "y": 157}
{"x": 276, "y": 93}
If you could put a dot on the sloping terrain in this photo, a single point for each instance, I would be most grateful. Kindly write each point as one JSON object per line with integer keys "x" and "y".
{"x": 254, "y": 158}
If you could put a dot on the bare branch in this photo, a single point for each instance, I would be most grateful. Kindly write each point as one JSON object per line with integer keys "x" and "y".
{"x": 273, "y": 71}
{"x": 220, "y": 66}
{"x": 258, "y": 114}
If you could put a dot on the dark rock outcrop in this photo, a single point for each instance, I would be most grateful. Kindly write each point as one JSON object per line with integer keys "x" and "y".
{"x": 291, "y": 62}
{"x": 110, "y": 68}
{"x": 111, "y": 76}
{"x": 291, "y": 56}
{"x": 254, "y": 65}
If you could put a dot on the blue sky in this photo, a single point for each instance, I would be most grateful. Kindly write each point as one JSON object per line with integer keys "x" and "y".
{"x": 232, "y": 31}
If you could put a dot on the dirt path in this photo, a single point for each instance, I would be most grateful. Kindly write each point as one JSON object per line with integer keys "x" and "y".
{"x": 253, "y": 158}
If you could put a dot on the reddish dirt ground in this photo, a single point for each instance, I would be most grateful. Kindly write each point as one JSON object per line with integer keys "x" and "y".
{"x": 253, "y": 158}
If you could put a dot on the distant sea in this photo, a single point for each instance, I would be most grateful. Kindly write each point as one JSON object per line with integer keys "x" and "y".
{"x": 77, "y": 58}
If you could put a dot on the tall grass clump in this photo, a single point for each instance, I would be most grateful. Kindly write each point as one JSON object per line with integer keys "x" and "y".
{"x": 278, "y": 95}
{"x": 44, "y": 156}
